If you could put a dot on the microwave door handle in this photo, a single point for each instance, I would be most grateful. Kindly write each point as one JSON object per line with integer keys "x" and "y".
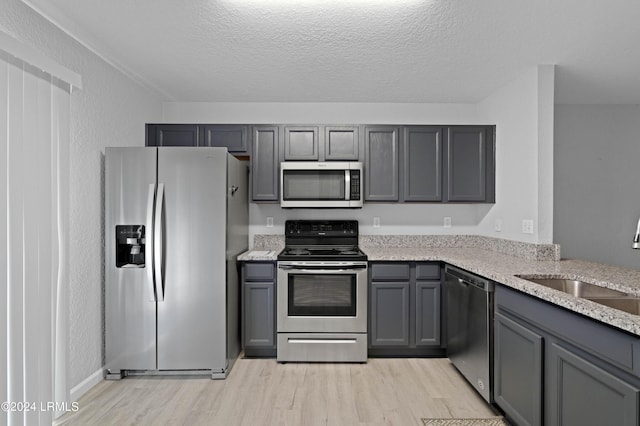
{"x": 347, "y": 184}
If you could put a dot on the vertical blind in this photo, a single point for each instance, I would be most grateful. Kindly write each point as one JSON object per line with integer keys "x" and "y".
{"x": 34, "y": 211}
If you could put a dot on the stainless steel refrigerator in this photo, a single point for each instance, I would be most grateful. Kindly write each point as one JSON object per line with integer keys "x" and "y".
{"x": 175, "y": 221}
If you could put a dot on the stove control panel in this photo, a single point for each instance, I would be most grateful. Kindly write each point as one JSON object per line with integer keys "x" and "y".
{"x": 330, "y": 228}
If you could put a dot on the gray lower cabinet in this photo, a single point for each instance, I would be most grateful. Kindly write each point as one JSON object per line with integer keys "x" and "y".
{"x": 557, "y": 368}
{"x": 258, "y": 309}
{"x": 518, "y": 371}
{"x": 389, "y": 313}
{"x": 265, "y": 163}
{"x": 427, "y": 298}
{"x": 381, "y": 163}
{"x": 583, "y": 394}
{"x": 405, "y": 300}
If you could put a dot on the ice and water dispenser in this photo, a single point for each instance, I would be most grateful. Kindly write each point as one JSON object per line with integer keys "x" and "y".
{"x": 130, "y": 242}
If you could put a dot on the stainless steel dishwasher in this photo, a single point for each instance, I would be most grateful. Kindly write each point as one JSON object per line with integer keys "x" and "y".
{"x": 470, "y": 328}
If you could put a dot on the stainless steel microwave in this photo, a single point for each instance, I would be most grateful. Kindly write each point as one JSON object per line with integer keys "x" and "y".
{"x": 317, "y": 184}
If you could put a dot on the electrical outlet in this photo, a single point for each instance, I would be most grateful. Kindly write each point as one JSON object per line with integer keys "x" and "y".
{"x": 269, "y": 222}
{"x": 498, "y": 225}
{"x": 376, "y": 222}
{"x": 527, "y": 226}
{"x": 447, "y": 222}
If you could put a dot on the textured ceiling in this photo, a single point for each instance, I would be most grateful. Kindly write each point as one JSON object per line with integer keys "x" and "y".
{"x": 361, "y": 50}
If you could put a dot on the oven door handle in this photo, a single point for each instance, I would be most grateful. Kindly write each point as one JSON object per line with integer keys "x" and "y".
{"x": 316, "y": 269}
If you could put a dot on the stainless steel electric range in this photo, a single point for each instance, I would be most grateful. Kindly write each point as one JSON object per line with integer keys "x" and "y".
{"x": 322, "y": 293}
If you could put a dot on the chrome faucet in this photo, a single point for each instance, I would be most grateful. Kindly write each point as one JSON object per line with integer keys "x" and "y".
{"x": 636, "y": 239}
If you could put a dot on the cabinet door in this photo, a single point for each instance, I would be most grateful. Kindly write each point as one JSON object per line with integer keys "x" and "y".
{"x": 518, "y": 361}
{"x": 259, "y": 315}
{"x": 467, "y": 149}
{"x": 300, "y": 143}
{"x": 232, "y": 137}
{"x": 381, "y": 164}
{"x": 422, "y": 164}
{"x": 265, "y": 163}
{"x": 427, "y": 313}
{"x": 172, "y": 135}
{"x": 582, "y": 394}
{"x": 389, "y": 314}
{"x": 341, "y": 143}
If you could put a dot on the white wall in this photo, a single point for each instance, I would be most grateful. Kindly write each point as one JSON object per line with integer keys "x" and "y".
{"x": 514, "y": 108}
{"x": 597, "y": 182}
{"x": 110, "y": 111}
{"x": 521, "y": 111}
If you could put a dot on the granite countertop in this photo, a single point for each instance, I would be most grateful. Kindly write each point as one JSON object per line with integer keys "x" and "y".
{"x": 503, "y": 269}
{"x": 468, "y": 252}
{"x": 259, "y": 255}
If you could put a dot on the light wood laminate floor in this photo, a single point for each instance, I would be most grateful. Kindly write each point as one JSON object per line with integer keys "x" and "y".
{"x": 263, "y": 392}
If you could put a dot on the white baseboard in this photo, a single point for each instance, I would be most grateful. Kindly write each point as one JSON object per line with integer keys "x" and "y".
{"x": 84, "y": 386}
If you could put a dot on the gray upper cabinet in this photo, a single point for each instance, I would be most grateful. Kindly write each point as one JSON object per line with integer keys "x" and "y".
{"x": 171, "y": 135}
{"x": 341, "y": 143}
{"x": 421, "y": 169}
{"x": 265, "y": 163}
{"x": 381, "y": 163}
{"x": 301, "y": 143}
{"x": 469, "y": 165}
{"x": 420, "y": 164}
{"x": 233, "y": 137}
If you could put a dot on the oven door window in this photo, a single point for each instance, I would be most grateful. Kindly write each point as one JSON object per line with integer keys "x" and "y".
{"x": 327, "y": 295}
{"x": 320, "y": 185}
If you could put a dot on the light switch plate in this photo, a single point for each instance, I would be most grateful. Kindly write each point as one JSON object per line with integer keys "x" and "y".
{"x": 527, "y": 226}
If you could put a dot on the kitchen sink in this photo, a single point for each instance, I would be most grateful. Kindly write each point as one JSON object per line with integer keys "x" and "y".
{"x": 576, "y": 288}
{"x": 628, "y": 304}
{"x": 605, "y": 296}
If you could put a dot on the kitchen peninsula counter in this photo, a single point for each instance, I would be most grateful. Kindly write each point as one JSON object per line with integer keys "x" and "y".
{"x": 503, "y": 268}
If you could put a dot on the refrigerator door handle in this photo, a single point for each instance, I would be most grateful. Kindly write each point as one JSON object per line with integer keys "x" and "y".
{"x": 149, "y": 242}
{"x": 158, "y": 236}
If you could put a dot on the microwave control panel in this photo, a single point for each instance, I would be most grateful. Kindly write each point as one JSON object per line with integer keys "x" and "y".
{"x": 355, "y": 184}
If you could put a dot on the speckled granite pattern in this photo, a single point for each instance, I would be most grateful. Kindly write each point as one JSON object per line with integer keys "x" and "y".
{"x": 265, "y": 248}
{"x": 268, "y": 242}
{"x": 513, "y": 248}
{"x": 504, "y": 268}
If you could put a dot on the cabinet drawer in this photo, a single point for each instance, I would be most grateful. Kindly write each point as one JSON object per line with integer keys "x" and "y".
{"x": 428, "y": 271}
{"x": 390, "y": 271}
{"x": 259, "y": 271}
